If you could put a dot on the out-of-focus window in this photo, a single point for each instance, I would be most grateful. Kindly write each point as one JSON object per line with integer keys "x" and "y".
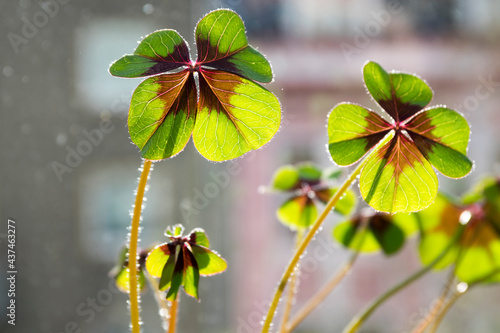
{"x": 98, "y": 44}
{"x": 106, "y": 196}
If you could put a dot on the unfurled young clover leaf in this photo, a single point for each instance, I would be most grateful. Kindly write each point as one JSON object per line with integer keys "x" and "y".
{"x": 477, "y": 254}
{"x": 213, "y": 98}
{"x": 306, "y": 184}
{"x": 120, "y": 272}
{"x": 399, "y": 177}
{"x": 371, "y": 232}
{"x": 182, "y": 261}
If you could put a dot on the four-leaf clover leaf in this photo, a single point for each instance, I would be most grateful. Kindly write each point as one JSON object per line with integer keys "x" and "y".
{"x": 399, "y": 177}
{"x": 371, "y": 231}
{"x": 306, "y": 183}
{"x": 182, "y": 261}
{"x": 477, "y": 254}
{"x": 228, "y": 114}
{"x": 120, "y": 272}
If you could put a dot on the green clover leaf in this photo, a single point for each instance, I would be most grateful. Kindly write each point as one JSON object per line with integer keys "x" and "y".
{"x": 182, "y": 261}
{"x": 371, "y": 232}
{"x": 307, "y": 184}
{"x": 399, "y": 177}
{"x": 215, "y": 98}
{"x": 477, "y": 254}
{"x": 120, "y": 272}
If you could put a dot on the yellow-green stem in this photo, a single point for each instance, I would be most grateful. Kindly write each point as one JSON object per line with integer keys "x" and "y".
{"x": 291, "y": 287}
{"x": 454, "y": 298}
{"x": 161, "y": 300}
{"x": 173, "y": 315}
{"x": 303, "y": 245}
{"x": 132, "y": 256}
{"x": 330, "y": 286}
{"x": 437, "y": 306}
{"x": 322, "y": 293}
{"x": 356, "y": 323}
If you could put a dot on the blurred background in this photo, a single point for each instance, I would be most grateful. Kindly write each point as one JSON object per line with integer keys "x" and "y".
{"x": 70, "y": 196}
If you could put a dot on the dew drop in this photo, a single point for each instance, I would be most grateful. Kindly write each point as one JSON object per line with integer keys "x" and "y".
{"x": 462, "y": 287}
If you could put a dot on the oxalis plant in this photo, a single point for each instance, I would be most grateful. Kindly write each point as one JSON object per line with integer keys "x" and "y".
{"x": 396, "y": 172}
{"x": 218, "y": 100}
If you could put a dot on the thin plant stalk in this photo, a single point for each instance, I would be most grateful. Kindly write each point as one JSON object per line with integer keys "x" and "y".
{"x": 322, "y": 293}
{"x": 356, "y": 323}
{"x": 291, "y": 288}
{"x": 172, "y": 323}
{"x": 132, "y": 257}
{"x": 161, "y": 300}
{"x": 438, "y": 304}
{"x": 436, "y": 309}
{"x": 305, "y": 242}
{"x": 328, "y": 287}
{"x": 454, "y": 298}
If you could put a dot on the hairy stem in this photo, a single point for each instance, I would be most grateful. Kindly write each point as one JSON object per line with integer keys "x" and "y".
{"x": 163, "y": 304}
{"x": 322, "y": 293}
{"x": 132, "y": 256}
{"x": 456, "y": 295}
{"x": 453, "y": 298}
{"x": 437, "y": 306}
{"x": 360, "y": 318}
{"x": 330, "y": 286}
{"x": 303, "y": 245}
{"x": 440, "y": 302}
{"x": 172, "y": 323}
{"x": 291, "y": 288}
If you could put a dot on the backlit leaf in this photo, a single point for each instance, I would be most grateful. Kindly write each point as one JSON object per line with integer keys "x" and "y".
{"x": 167, "y": 274}
{"x": 350, "y": 236}
{"x": 398, "y": 178}
{"x": 331, "y": 173}
{"x": 481, "y": 256}
{"x": 477, "y": 254}
{"x": 162, "y": 114}
{"x": 408, "y": 223}
{"x": 209, "y": 262}
{"x": 122, "y": 280}
{"x": 191, "y": 275}
{"x": 285, "y": 178}
{"x": 157, "y": 259}
{"x": 353, "y": 131}
{"x": 222, "y": 44}
{"x": 439, "y": 222}
{"x": 380, "y": 234}
{"x": 235, "y": 115}
{"x": 344, "y": 206}
{"x": 442, "y": 135}
{"x": 174, "y": 230}
{"x": 432, "y": 245}
{"x": 298, "y": 212}
{"x": 158, "y": 52}
{"x": 177, "y": 277}
{"x": 400, "y": 95}
{"x": 198, "y": 237}
{"x": 309, "y": 172}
